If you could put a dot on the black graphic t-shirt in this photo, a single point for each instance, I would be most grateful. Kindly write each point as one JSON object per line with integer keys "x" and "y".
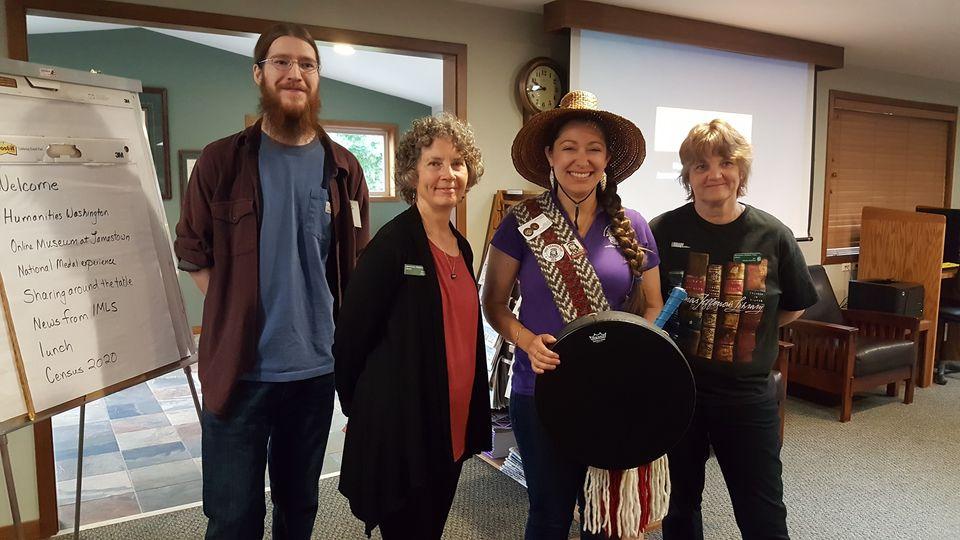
{"x": 737, "y": 277}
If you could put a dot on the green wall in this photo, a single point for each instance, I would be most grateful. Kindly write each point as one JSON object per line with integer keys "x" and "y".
{"x": 208, "y": 93}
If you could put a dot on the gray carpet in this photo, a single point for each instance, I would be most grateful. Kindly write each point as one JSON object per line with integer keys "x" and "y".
{"x": 891, "y": 472}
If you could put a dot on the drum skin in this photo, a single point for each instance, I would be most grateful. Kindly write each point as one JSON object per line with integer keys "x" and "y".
{"x": 622, "y": 396}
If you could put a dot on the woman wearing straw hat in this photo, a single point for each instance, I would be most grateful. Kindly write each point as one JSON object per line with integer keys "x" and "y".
{"x": 579, "y": 153}
{"x": 409, "y": 351}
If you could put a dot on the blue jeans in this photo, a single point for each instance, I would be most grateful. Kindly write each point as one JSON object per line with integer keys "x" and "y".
{"x": 746, "y": 441}
{"x": 554, "y": 483}
{"x": 280, "y": 425}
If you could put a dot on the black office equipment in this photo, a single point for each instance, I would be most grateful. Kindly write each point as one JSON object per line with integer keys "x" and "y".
{"x": 888, "y": 296}
{"x": 951, "y": 236}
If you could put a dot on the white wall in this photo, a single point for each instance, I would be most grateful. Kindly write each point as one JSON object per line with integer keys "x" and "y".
{"x": 22, "y": 457}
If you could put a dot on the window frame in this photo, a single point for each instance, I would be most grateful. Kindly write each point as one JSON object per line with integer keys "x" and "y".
{"x": 389, "y": 133}
{"x": 848, "y": 101}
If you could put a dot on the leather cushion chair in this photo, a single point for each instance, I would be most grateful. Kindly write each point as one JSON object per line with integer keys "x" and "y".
{"x": 842, "y": 351}
{"x": 875, "y": 355}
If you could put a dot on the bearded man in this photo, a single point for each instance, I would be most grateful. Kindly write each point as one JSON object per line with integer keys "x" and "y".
{"x": 272, "y": 224}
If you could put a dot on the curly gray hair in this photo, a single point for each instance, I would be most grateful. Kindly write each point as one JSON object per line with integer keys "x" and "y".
{"x": 421, "y": 135}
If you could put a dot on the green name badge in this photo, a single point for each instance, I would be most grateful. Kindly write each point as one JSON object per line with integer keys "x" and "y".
{"x": 747, "y": 257}
{"x": 413, "y": 270}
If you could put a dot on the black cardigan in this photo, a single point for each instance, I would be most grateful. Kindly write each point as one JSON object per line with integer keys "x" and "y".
{"x": 391, "y": 373}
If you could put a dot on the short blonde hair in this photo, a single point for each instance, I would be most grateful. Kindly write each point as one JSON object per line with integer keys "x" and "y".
{"x": 715, "y": 137}
{"x": 421, "y": 135}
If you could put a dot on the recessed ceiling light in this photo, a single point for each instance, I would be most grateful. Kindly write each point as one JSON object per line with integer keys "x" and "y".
{"x": 344, "y": 49}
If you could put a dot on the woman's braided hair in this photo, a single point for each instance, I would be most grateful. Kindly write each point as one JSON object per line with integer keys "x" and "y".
{"x": 622, "y": 229}
{"x": 627, "y": 244}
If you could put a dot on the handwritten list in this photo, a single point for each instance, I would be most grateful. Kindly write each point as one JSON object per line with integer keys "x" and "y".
{"x": 80, "y": 273}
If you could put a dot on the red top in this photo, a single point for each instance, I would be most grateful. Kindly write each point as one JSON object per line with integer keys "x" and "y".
{"x": 461, "y": 305}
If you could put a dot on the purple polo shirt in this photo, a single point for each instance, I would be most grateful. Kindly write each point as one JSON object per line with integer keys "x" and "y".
{"x": 537, "y": 310}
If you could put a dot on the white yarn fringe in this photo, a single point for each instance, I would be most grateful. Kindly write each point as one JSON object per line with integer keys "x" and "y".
{"x": 629, "y": 511}
{"x": 596, "y": 488}
{"x": 659, "y": 489}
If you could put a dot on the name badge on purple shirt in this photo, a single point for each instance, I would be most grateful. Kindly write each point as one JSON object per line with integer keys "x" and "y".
{"x": 535, "y": 226}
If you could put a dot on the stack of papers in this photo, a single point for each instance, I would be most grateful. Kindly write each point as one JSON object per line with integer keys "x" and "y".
{"x": 503, "y": 441}
{"x": 513, "y": 466}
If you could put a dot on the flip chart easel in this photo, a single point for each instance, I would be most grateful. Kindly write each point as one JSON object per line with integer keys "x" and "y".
{"x": 91, "y": 304}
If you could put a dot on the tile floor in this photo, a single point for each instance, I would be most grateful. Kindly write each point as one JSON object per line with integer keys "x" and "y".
{"x": 141, "y": 452}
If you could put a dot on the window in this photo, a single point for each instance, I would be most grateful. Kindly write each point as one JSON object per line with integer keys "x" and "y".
{"x": 373, "y": 145}
{"x": 882, "y": 152}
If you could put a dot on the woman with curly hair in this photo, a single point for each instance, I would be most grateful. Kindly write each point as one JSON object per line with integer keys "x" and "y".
{"x": 410, "y": 359}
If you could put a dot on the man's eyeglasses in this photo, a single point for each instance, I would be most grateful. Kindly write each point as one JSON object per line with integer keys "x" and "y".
{"x": 284, "y": 64}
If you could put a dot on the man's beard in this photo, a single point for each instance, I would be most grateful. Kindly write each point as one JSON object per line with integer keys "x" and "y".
{"x": 289, "y": 124}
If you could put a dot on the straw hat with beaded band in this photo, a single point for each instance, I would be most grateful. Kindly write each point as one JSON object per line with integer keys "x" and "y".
{"x": 625, "y": 144}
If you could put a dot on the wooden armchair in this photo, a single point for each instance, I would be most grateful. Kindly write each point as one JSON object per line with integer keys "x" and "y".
{"x": 842, "y": 351}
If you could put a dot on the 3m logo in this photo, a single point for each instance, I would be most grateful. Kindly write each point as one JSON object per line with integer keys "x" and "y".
{"x": 7, "y": 149}
{"x": 599, "y": 337}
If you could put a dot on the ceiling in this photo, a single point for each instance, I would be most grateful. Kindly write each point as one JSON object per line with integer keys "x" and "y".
{"x": 414, "y": 78}
{"x": 920, "y": 38}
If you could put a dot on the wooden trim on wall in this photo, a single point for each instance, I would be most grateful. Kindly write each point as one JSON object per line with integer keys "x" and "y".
{"x": 917, "y": 107}
{"x": 951, "y": 157}
{"x": 16, "y": 30}
{"x": 389, "y": 150}
{"x": 31, "y": 529}
{"x": 360, "y": 125}
{"x": 49, "y": 522}
{"x": 849, "y": 101}
{"x": 456, "y": 69}
{"x": 109, "y": 11}
{"x": 580, "y": 14}
{"x": 831, "y": 104}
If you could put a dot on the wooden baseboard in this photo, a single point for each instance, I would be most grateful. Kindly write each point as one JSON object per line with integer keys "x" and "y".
{"x": 31, "y": 530}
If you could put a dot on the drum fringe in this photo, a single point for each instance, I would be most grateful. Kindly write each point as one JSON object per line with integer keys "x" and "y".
{"x": 659, "y": 489}
{"x": 632, "y": 515}
{"x": 596, "y": 490}
{"x": 630, "y": 509}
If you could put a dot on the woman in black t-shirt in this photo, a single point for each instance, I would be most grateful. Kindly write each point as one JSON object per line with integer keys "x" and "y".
{"x": 745, "y": 277}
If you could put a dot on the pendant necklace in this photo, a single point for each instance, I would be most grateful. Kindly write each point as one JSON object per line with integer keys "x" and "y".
{"x": 452, "y": 263}
{"x": 576, "y": 207}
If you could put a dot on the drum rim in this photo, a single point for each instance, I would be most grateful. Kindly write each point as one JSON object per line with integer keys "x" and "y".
{"x": 611, "y": 316}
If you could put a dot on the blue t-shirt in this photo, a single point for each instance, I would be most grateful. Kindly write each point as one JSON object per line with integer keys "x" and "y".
{"x": 296, "y": 305}
{"x": 538, "y": 312}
